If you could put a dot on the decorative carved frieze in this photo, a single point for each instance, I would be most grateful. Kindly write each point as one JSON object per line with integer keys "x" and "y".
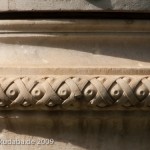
{"x": 63, "y": 92}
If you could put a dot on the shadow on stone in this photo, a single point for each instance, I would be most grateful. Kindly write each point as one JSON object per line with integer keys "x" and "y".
{"x": 88, "y": 130}
{"x": 128, "y": 47}
{"x": 104, "y": 4}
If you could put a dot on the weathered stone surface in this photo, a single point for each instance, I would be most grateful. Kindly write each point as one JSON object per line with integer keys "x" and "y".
{"x": 59, "y": 5}
{"x": 108, "y": 130}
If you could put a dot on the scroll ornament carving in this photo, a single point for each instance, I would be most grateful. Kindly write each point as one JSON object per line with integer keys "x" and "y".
{"x": 90, "y": 92}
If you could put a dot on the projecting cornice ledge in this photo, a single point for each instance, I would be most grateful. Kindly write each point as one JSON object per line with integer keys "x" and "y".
{"x": 74, "y": 65}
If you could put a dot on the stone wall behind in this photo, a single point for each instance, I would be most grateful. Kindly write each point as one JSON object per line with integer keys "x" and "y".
{"x": 75, "y": 5}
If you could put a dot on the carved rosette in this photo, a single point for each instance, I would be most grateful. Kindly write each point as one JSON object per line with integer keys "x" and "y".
{"x": 74, "y": 92}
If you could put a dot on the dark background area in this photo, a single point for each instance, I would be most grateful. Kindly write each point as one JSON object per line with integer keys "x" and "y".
{"x": 74, "y": 15}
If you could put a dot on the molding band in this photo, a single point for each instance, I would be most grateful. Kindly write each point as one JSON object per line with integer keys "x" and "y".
{"x": 74, "y": 92}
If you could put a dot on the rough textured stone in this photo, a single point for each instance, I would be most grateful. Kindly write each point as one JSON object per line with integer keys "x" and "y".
{"x": 18, "y": 5}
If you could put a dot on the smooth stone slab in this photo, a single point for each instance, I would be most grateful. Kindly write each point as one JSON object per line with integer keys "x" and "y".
{"x": 74, "y": 47}
{"x": 75, "y": 50}
{"x": 59, "y": 5}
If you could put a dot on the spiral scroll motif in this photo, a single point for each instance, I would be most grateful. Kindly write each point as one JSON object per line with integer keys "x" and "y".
{"x": 52, "y": 92}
